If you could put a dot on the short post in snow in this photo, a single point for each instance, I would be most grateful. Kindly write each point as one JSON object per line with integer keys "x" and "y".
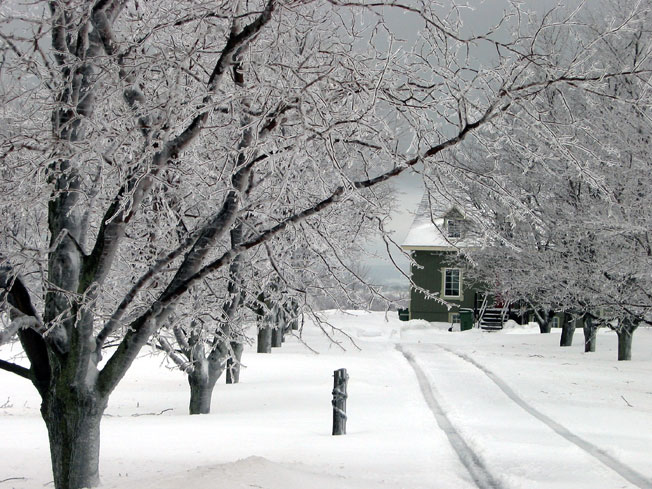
{"x": 340, "y": 381}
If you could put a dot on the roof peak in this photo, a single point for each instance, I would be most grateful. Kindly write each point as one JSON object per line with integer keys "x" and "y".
{"x": 428, "y": 229}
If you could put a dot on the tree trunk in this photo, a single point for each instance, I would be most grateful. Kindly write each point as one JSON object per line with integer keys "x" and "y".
{"x": 545, "y": 325}
{"x": 233, "y": 363}
{"x": 567, "y": 331}
{"x": 277, "y": 336}
{"x": 73, "y": 424}
{"x": 204, "y": 375}
{"x": 278, "y": 320}
{"x": 264, "y": 339}
{"x": 624, "y": 345}
{"x": 545, "y": 320}
{"x": 201, "y": 392}
{"x": 625, "y": 334}
{"x": 590, "y": 330}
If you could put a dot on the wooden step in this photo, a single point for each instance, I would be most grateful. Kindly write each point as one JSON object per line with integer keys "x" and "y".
{"x": 492, "y": 319}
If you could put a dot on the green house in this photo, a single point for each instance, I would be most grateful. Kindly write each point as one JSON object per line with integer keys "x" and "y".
{"x": 438, "y": 233}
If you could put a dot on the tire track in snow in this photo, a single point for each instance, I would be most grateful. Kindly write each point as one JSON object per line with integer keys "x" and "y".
{"x": 620, "y": 468}
{"x": 476, "y": 468}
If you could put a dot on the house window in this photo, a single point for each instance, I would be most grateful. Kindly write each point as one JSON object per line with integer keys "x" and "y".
{"x": 452, "y": 282}
{"x": 454, "y": 317}
{"x": 555, "y": 322}
{"x": 454, "y": 228}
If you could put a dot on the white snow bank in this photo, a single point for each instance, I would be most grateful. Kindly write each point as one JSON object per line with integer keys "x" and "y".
{"x": 251, "y": 472}
{"x": 512, "y": 327}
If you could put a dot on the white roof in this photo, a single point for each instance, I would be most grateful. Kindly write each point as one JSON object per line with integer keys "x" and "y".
{"x": 428, "y": 228}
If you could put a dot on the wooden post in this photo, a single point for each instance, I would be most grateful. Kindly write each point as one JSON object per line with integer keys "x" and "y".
{"x": 340, "y": 380}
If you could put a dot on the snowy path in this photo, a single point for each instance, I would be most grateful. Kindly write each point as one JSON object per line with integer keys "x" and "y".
{"x": 479, "y": 473}
{"x": 623, "y": 470}
{"x": 516, "y": 441}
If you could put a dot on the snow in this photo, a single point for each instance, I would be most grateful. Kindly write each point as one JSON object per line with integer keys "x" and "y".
{"x": 428, "y": 227}
{"x": 426, "y": 234}
{"x": 426, "y": 231}
{"x": 532, "y": 413}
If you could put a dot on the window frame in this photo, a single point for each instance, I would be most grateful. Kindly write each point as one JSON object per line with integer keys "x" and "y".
{"x": 456, "y": 232}
{"x": 445, "y": 273}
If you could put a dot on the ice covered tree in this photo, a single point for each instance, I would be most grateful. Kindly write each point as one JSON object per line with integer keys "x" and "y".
{"x": 563, "y": 201}
{"x": 260, "y": 296}
{"x": 109, "y": 107}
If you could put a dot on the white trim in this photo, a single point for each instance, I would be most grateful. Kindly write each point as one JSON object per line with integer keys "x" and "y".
{"x": 459, "y": 296}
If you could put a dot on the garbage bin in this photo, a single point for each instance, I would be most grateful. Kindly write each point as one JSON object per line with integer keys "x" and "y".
{"x": 466, "y": 319}
{"x": 404, "y": 314}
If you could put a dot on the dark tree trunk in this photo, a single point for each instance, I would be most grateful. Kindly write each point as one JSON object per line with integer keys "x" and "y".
{"x": 545, "y": 325}
{"x": 545, "y": 320}
{"x": 292, "y": 316}
{"x": 625, "y": 335}
{"x": 204, "y": 375}
{"x": 590, "y": 330}
{"x": 233, "y": 363}
{"x": 624, "y": 345}
{"x": 264, "y": 338}
{"x": 201, "y": 391}
{"x": 277, "y": 336}
{"x": 567, "y": 331}
{"x": 73, "y": 424}
{"x": 278, "y": 319}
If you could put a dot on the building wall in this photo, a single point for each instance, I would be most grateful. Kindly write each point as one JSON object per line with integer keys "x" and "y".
{"x": 429, "y": 277}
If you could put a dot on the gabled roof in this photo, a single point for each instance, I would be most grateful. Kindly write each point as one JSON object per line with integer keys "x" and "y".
{"x": 428, "y": 230}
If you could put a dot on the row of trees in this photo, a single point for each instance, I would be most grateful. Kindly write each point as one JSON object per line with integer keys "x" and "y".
{"x": 565, "y": 202}
{"x": 160, "y": 160}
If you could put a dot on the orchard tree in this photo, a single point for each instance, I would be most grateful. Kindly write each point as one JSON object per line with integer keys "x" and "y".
{"x": 109, "y": 106}
{"x": 564, "y": 202}
{"x": 267, "y": 285}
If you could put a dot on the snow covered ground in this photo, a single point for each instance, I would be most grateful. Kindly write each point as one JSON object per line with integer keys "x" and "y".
{"x": 443, "y": 410}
